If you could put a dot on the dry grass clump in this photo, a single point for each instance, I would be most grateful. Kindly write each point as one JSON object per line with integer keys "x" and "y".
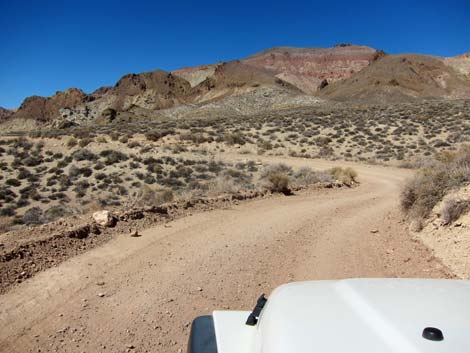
{"x": 279, "y": 183}
{"x": 5, "y": 224}
{"x": 453, "y": 209}
{"x": 149, "y": 196}
{"x": 278, "y": 179}
{"x": 432, "y": 183}
{"x": 345, "y": 175}
{"x": 223, "y": 184}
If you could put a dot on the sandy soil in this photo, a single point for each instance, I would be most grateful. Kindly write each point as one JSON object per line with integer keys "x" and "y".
{"x": 140, "y": 294}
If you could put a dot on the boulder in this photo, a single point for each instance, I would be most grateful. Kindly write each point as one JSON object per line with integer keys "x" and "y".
{"x": 104, "y": 218}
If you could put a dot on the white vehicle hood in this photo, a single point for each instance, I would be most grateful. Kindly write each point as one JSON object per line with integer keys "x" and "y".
{"x": 357, "y": 316}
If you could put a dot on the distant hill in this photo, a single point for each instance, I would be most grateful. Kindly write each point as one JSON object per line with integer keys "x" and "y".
{"x": 306, "y": 68}
{"x": 399, "y": 78}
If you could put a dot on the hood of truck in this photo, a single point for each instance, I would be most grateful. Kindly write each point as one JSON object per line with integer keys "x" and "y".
{"x": 361, "y": 316}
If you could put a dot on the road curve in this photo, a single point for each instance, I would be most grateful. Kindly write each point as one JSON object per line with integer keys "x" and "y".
{"x": 140, "y": 294}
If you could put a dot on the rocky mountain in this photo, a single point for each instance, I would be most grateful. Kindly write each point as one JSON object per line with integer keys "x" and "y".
{"x": 304, "y": 68}
{"x": 399, "y": 78}
{"x": 149, "y": 92}
{"x": 277, "y": 77}
{"x": 307, "y": 68}
{"x": 46, "y": 108}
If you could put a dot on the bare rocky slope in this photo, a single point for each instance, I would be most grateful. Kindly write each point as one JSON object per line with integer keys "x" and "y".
{"x": 4, "y": 113}
{"x": 307, "y": 68}
{"x": 146, "y": 93}
{"x": 304, "y": 68}
{"x": 401, "y": 78}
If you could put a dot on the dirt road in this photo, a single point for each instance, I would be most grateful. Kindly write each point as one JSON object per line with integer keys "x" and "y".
{"x": 140, "y": 294}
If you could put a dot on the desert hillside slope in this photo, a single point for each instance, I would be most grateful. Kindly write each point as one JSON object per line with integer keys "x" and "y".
{"x": 400, "y": 78}
{"x": 308, "y": 67}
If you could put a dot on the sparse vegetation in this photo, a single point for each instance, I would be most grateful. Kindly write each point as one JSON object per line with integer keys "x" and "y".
{"x": 453, "y": 209}
{"x": 448, "y": 172}
{"x": 114, "y": 161}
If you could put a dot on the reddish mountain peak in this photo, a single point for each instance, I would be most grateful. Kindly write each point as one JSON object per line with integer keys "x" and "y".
{"x": 308, "y": 67}
{"x": 43, "y": 109}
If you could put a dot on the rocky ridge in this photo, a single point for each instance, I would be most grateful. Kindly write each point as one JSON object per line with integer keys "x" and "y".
{"x": 262, "y": 81}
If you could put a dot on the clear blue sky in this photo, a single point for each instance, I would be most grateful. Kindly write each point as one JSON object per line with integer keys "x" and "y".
{"x": 46, "y": 46}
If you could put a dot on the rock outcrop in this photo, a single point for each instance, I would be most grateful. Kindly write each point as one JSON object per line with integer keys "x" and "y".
{"x": 45, "y": 109}
{"x": 104, "y": 218}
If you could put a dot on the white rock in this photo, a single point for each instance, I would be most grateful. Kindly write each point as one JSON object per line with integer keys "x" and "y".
{"x": 103, "y": 218}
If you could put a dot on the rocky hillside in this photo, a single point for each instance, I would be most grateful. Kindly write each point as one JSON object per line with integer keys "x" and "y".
{"x": 146, "y": 93}
{"x": 401, "y": 78}
{"x": 47, "y": 108}
{"x": 460, "y": 63}
{"x": 307, "y": 68}
{"x": 4, "y": 113}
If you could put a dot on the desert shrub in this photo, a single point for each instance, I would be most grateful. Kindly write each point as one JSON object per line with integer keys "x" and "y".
{"x": 223, "y": 184}
{"x": 134, "y": 165}
{"x": 265, "y": 145}
{"x": 6, "y": 195}
{"x": 215, "y": 167}
{"x": 81, "y": 188}
{"x": 5, "y": 224}
{"x": 23, "y": 174}
{"x": 114, "y": 135}
{"x": 83, "y": 154}
{"x": 155, "y": 135}
{"x": 98, "y": 166}
{"x": 76, "y": 172}
{"x": 23, "y": 143}
{"x": 85, "y": 142}
{"x": 8, "y": 211}
{"x": 196, "y": 138}
{"x": 235, "y": 138}
{"x": 13, "y": 182}
{"x": 64, "y": 162}
{"x": 101, "y": 139}
{"x": 453, "y": 209}
{"x": 149, "y": 196}
{"x": 31, "y": 161}
{"x": 345, "y": 175}
{"x": 55, "y": 212}
{"x": 280, "y": 168}
{"x": 306, "y": 176}
{"x": 22, "y": 202}
{"x": 112, "y": 156}
{"x": 279, "y": 182}
{"x": 133, "y": 144}
{"x": 33, "y": 216}
{"x": 71, "y": 142}
{"x": 35, "y": 195}
{"x": 433, "y": 182}
{"x": 100, "y": 176}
